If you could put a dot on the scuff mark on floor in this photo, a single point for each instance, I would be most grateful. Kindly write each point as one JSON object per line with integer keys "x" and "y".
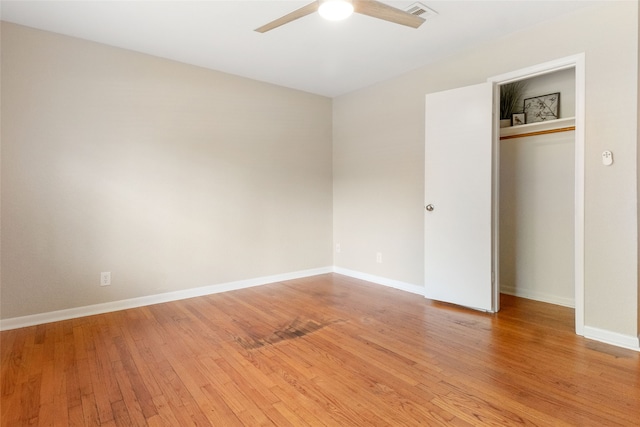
{"x": 295, "y": 329}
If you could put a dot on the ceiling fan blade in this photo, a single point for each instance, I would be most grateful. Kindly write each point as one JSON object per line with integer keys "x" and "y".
{"x": 296, "y": 14}
{"x": 385, "y": 12}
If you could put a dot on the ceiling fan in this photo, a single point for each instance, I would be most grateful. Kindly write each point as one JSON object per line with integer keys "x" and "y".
{"x": 340, "y": 9}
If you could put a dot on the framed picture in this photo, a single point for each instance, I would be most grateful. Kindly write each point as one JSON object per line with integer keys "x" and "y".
{"x": 517, "y": 119}
{"x": 542, "y": 108}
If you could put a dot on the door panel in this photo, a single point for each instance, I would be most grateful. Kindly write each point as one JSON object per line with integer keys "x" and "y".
{"x": 458, "y": 185}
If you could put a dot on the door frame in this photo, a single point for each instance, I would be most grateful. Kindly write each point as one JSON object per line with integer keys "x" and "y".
{"x": 577, "y": 62}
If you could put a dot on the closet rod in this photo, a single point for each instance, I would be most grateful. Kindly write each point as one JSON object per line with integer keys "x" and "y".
{"x": 541, "y": 132}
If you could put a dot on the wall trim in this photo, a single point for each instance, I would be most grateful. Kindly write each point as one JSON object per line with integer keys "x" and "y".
{"x": 543, "y": 297}
{"x": 107, "y": 307}
{"x": 403, "y": 286}
{"x": 613, "y": 338}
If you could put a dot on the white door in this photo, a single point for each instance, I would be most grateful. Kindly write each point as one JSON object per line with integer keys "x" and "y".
{"x": 458, "y": 196}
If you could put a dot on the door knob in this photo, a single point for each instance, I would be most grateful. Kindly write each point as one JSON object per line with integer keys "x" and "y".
{"x": 430, "y": 207}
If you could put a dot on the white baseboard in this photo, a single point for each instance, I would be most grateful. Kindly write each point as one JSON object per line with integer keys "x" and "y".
{"x": 613, "y": 338}
{"x": 551, "y": 299}
{"x": 89, "y": 310}
{"x": 403, "y": 286}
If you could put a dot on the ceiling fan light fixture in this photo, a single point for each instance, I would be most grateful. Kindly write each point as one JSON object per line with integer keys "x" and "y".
{"x": 335, "y": 10}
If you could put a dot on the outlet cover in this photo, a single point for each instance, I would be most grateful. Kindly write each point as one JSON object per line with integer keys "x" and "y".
{"x": 105, "y": 278}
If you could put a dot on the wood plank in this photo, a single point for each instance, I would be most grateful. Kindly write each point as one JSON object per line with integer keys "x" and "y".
{"x": 319, "y": 351}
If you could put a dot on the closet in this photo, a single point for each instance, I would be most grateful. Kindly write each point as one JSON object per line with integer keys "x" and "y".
{"x": 537, "y": 198}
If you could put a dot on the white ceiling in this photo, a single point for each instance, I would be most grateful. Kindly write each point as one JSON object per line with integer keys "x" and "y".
{"x": 310, "y": 54}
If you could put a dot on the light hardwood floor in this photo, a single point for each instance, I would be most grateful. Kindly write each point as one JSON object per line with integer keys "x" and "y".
{"x": 327, "y": 350}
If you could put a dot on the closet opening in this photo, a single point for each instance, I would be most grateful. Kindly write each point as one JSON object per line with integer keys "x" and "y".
{"x": 536, "y": 188}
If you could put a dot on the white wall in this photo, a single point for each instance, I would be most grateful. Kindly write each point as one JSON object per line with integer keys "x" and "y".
{"x": 169, "y": 176}
{"x": 379, "y": 151}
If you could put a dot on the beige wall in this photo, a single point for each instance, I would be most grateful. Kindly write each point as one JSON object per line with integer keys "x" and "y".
{"x": 379, "y": 150}
{"x": 537, "y": 217}
{"x": 169, "y": 176}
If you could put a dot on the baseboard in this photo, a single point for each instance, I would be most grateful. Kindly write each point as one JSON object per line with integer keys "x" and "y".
{"x": 90, "y": 310}
{"x": 620, "y": 340}
{"x": 551, "y": 299}
{"x": 403, "y": 286}
{"x": 613, "y": 338}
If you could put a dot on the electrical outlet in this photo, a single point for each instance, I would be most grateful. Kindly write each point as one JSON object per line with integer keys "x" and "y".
{"x": 105, "y": 278}
{"x": 338, "y": 249}
{"x": 379, "y": 257}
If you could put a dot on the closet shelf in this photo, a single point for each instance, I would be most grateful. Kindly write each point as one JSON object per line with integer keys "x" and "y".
{"x": 539, "y": 128}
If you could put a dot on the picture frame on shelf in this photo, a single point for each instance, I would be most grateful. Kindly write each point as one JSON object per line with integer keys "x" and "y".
{"x": 517, "y": 119}
{"x": 542, "y": 108}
